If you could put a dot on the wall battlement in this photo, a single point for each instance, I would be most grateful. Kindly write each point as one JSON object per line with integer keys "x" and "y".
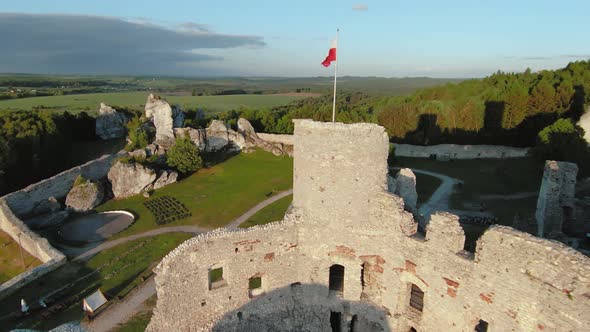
{"x": 356, "y": 260}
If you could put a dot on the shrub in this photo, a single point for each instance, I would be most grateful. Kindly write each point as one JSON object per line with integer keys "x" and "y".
{"x": 137, "y": 135}
{"x": 184, "y": 156}
{"x": 80, "y": 180}
{"x": 563, "y": 141}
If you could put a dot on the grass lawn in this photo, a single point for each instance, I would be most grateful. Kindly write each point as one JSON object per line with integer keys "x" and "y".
{"x": 273, "y": 212}
{"x": 115, "y": 271}
{"x": 10, "y": 258}
{"x": 140, "y": 321}
{"x": 487, "y": 177}
{"x": 91, "y": 101}
{"x": 216, "y": 195}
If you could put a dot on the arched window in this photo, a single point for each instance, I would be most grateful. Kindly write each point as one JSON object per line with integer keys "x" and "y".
{"x": 482, "y": 326}
{"x": 416, "y": 298}
{"x": 336, "y": 279}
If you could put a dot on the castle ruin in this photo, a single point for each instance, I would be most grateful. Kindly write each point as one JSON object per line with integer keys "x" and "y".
{"x": 348, "y": 257}
{"x": 556, "y": 200}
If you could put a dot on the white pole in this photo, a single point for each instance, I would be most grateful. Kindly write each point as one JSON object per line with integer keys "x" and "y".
{"x": 335, "y": 74}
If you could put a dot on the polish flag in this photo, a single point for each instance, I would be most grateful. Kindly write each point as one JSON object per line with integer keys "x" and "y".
{"x": 331, "y": 55}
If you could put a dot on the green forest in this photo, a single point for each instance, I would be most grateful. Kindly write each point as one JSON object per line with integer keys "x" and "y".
{"x": 517, "y": 109}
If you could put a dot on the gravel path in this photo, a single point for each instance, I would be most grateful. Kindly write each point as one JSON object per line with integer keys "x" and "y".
{"x": 122, "y": 311}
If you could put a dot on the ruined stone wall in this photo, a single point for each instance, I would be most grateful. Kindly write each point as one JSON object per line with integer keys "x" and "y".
{"x": 556, "y": 197}
{"x": 182, "y": 280}
{"x": 455, "y": 151}
{"x": 513, "y": 281}
{"x": 23, "y": 201}
{"x": 34, "y": 244}
{"x": 276, "y": 138}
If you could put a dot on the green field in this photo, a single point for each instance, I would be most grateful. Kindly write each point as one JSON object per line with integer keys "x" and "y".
{"x": 115, "y": 272}
{"x": 273, "y": 212}
{"x": 91, "y": 102}
{"x": 10, "y": 258}
{"x": 216, "y": 195}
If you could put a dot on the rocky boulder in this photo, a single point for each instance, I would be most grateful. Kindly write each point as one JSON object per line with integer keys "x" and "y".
{"x": 109, "y": 123}
{"x": 85, "y": 197}
{"x": 164, "y": 117}
{"x": 245, "y": 128}
{"x": 130, "y": 179}
{"x": 217, "y": 136}
{"x": 405, "y": 187}
{"x": 165, "y": 178}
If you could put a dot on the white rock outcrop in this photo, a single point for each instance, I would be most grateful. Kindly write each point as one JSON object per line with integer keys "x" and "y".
{"x": 165, "y": 178}
{"x": 164, "y": 117}
{"x": 130, "y": 179}
{"x": 109, "y": 123}
{"x": 585, "y": 124}
{"x": 85, "y": 197}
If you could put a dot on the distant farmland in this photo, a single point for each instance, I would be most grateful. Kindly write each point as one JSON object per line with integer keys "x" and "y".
{"x": 91, "y": 102}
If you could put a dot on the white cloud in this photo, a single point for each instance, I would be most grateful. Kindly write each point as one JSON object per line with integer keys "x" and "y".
{"x": 360, "y": 7}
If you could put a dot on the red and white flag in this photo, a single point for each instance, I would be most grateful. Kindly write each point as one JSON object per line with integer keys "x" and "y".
{"x": 331, "y": 54}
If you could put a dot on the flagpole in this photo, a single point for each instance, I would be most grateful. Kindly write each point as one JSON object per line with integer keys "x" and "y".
{"x": 335, "y": 74}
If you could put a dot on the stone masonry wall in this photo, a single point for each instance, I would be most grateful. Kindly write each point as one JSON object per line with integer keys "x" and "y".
{"x": 556, "y": 195}
{"x": 513, "y": 281}
{"x": 34, "y": 244}
{"x": 276, "y": 138}
{"x": 23, "y": 201}
{"x": 454, "y": 151}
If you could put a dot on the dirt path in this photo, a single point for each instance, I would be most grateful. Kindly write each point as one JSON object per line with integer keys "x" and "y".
{"x": 89, "y": 251}
{"x": 122, "y": 311}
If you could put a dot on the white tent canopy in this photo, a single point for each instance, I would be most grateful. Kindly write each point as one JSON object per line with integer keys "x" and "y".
{"x": 93, "y": 301}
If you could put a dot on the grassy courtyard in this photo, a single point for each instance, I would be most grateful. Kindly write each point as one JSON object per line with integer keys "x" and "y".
{"x": 490, "y": 182}
{"x": 11, "y": 263}
{"x": 216, "y": 195}
{"x": 115, "y": 271}
{"x": 91, "y": 102}
{"x": 273, "y": 212}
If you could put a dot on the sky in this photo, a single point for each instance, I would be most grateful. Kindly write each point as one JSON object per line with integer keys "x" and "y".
{"x": 390, "y": 38}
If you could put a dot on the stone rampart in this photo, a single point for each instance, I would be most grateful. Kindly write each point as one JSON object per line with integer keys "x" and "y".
{"x": 454, "y": 151}
{"x": 276, "y": 138}
{"x": 23, "y": 201}
{"x": 326, "y": 264}
{"x": 34, "y": 244}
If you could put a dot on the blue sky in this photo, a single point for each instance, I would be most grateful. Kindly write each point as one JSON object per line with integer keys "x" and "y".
{"x": 453, "y": 38}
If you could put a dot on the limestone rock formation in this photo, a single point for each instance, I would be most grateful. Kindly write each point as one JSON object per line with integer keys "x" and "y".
{"x": 245, "y": 128}
{"x": 177, "y": 117}
{"x": 109, "y": 123}
{"x": 85, "y": 197}
{"x": 217, "y": 136}
{"x": 405, "y": 187}
{"x": 48, "y": 219}
{"x": 49, "y": 205}
{"x": 164, "y": 117}
{"x": 585, "y": 124}
{"x": 165, "y": 178}
{"x": 139, "y": 153}
{"x": 130, "y": 179}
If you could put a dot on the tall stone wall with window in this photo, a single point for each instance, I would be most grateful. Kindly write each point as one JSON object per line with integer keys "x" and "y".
{"x": 348, "y": 255}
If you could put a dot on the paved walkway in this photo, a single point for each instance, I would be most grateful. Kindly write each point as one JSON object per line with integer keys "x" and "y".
{"x": 122, "y": 311}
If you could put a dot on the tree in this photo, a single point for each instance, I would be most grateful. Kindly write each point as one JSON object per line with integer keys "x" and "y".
{"x": 184, "y": 156}
{"x": 563, "y": 141}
